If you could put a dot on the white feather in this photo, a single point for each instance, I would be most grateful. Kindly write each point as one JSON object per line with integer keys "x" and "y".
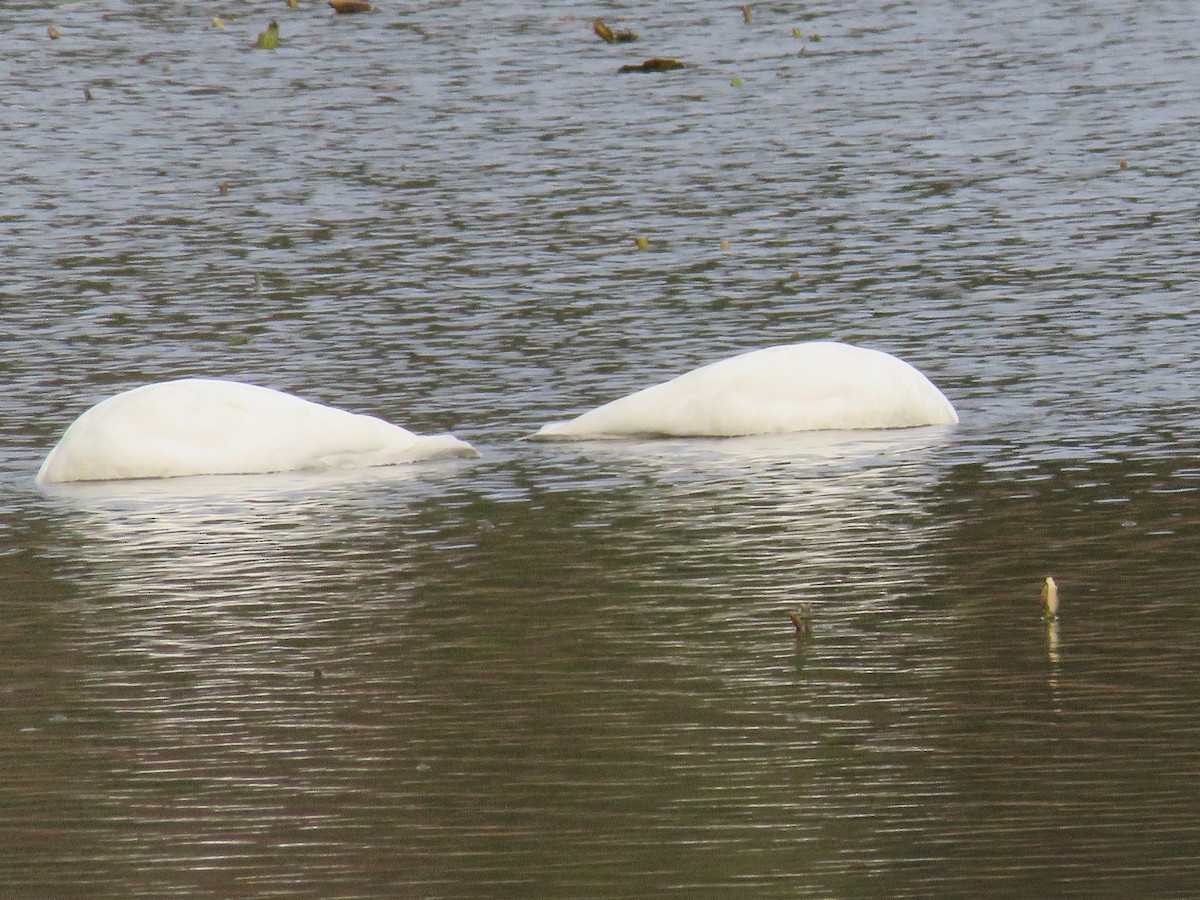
{"x": 815, "y": 386}
{"x": 203, "y": 426}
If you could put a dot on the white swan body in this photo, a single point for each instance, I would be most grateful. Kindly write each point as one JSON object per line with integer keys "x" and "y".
{"x": 204, "y": 426}
{"x": 815, "y": 386}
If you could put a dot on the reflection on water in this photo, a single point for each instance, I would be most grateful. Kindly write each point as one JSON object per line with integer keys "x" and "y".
{"x": 570, "y": 670}
{"x": 574, "y": 666}
{"x": 267, "y": 659}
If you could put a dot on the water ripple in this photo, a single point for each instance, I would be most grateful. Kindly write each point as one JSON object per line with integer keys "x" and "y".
{"x": 569, "y": 671}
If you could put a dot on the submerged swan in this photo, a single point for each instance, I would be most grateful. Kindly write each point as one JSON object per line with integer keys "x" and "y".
{"x": 816, "y": 386}
{"x": 205, "y": 426}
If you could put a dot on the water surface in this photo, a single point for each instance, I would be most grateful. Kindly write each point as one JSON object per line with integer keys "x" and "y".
{"x": 568, "y": 670}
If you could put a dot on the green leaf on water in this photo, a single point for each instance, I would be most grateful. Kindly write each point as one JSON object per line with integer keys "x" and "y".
{"x": 269, "y": 39}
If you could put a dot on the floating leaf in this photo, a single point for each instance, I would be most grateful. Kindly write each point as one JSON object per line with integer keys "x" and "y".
{"x": 609, "y": 36}
{"x": 725, "y": 245}
{"x": 747, "y": 16}
{"x": 350, "y": 6}
{"x": 1049, "y": 600}
{"x": 87, "y": 94}
{"x": 269, "y": 39}
{"x": 802, "y": 620}
{"x": 736, "y": 81}
{"x": 293, "y": 4}
{"x": 217, "y": 23}
{"x": 654, "y": 64}
{"x": 53, "y": 33}
{"x": 1124, "y": 164}
{"x": 643, "y": 243}
{"x": 798, "y": 34}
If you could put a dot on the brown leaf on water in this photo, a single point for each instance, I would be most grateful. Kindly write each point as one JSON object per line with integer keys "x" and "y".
{"x": 609, "y": 36}
{"x": 350, "y": 6}
{"x": 53, "y": 33}
{"x": 802, "y": 620}
{"x": 654, "y": 64}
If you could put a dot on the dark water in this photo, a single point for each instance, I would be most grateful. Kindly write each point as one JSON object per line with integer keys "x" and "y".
{"x": 568, "y": 670}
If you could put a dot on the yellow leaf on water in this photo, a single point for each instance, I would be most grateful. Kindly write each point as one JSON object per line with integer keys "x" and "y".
{"x": 1049, "y": 599}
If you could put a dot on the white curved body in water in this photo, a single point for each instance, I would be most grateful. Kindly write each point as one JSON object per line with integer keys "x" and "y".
{"x": 204, "y": 426}
{"x": 816, "y": 386}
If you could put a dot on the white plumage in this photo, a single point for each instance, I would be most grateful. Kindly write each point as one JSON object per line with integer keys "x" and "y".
{"x": 204, "y": 426}
{"x": 822, "y": 385}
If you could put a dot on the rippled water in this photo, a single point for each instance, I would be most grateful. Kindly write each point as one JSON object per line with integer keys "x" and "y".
{"x": 569, "y": 670}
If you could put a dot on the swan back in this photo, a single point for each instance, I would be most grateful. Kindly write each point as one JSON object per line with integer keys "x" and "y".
{"x": 798, "y": 387}
{"x": 203, "y": 426}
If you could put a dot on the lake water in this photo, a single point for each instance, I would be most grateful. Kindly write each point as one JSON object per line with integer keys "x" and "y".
{"x": 568, "y": 670}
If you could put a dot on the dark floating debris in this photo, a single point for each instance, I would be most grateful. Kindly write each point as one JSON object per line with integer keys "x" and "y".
{"x": 609, "y": 36}
{"x": 802, "y": 619}
{"x": 654, "y": 64}
{"x": 350, "y": 6}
